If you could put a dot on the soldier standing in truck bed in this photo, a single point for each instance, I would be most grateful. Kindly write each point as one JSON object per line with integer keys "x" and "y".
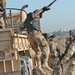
{"x": 37, "y": 40}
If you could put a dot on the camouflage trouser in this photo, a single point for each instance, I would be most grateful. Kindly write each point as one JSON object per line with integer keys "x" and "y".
{"x": 55, "y": 66}
{"x": 65, "y": 67}
{"x": 40, "y": 45}
{"x": 71, "y": 67}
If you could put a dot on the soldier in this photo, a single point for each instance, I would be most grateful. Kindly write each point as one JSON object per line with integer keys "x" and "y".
{"x": 37, "y": 40}
{"x": 2, "y": 13}
{"x": 70, "y": 56}
{"x": 54, "y": 55}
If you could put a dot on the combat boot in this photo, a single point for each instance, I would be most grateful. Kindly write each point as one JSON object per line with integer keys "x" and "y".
{"x": 47, "y": 67}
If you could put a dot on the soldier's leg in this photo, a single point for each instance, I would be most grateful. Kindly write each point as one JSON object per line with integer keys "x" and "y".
{"x": 71, "y": 67}
{"x": 71, "y": 71}
{"x": 57, "y": 67}
{"x": 65, "y": 68}
{"x": 36, "y": 48}
{"x": 58, "y": 70}
{"x": 45, "y": 55}
{"x": 41, "y": 41}
{"x": 38, "y": 58}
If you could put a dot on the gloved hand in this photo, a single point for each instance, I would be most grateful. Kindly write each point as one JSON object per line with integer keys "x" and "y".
{"x": 46, "y": 8}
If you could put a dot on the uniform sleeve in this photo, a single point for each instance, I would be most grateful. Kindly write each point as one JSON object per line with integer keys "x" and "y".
{"x": 53, "y": 48}
{"x": 70, "y": 52}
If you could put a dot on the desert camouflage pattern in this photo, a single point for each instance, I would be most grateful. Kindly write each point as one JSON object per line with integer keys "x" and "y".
{"x": 41, "y": 48}
{"x": 40, "y": 45}
{"x": 54, "y": 59}
{"x": 70, "y": 57}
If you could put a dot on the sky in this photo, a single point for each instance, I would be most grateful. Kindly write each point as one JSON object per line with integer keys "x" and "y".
{"x": 60, "y": 16}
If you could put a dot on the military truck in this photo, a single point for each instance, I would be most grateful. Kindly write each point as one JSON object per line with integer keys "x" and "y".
{"x": 13, "y": 45}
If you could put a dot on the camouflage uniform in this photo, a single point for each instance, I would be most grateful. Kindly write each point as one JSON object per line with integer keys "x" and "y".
{"x": 70, "y": 55}
{"x": 54, "y": 58}
{"x": 40, "y": 45}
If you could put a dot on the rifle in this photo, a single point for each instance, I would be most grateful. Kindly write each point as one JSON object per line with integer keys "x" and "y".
{"x": 51, "y": 3}
{"x": 70, "y": 33}
{"x": 40, "y": 12}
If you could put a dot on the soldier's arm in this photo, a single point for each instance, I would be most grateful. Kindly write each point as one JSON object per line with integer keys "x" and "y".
{"x": 69, "y": 54}
{"x": 46, "y": 8}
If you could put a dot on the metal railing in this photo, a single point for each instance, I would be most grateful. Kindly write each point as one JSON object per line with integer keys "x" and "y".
{"x": 10, "y": 11}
